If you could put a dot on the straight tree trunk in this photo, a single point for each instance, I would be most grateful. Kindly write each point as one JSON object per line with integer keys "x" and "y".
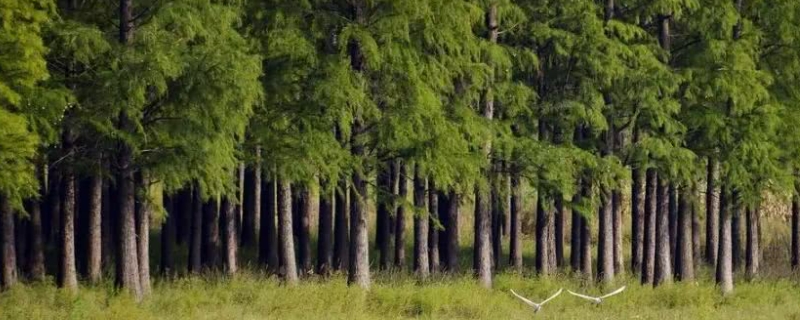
{"x": 400, "y": 219}
{"x": 94, "y": 265}
{"x": 268, "y": 239}
{"x": 168, "y": 229}
{"x": 211, "y": 239}
{"x": 695, "y": 229}
{"x": 421, "y": 218}
{"x": 229, "y": 237}
{"x": 68, "y": 277}
{"x": 651, "y": 205}
{"x": 310, "y": 205}
{"x": 452, "y": 232}
{"x": 433, "y": 233}
{"x": 605, "y": 246}
{"x": 795, "y": 230}
{"x": 637, "y": 219}
{"x": 285, "y": 233}
{"x": 586, "y": 235}
{"x": 560, "y": 215}
{"x": 252, "y": 203}
{"x": 712, "y": 212}
{"x": 663, "y": 267}
{"x": 108, "y": 224}
{"x": 482, "y": 259}
{"x": 496, "y": 222}
{"x": 684, "y": 257}
{"x": 753, "y": 252}
{"x": 515, "y": 246}
{"x": 52, "y": 216}
{"x": 724, "y": 275}
{"x": 195, "y": 242}
{"x": 673, "y": 224}
{"x": 325, "y": 233}
{"x": 8, "y": 255}
{"x": 36, "y": 252}
{"x": 359, "y": 239}
{"x": 385, "y": 194}
{"x": 341, "y": 244}
{"x": 143, "y": 213}
{"x": 575, "y": 235}
{"x": 736, "y": 237}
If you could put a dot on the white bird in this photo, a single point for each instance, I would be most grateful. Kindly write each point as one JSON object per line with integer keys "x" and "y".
{"x": 597, "y": 300}
{"x": 536, "y": 306}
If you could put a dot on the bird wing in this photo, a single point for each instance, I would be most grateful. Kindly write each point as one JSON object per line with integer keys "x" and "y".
{"x": 613, "y": 293}
{"x": 593, "y": 299}
{"x": 553, "y": 296}
{"x": 528, "y": 302}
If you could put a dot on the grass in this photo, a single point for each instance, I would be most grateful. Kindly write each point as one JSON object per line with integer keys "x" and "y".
{"x": 394, "y": 296}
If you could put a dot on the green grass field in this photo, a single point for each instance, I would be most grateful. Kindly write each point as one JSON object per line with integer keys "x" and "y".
{"x": 252, "y": 296}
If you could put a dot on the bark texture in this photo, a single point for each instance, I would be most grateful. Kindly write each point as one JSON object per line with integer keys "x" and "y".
{"x": 663, "y": 261}
{"x": 288, "y": 258}
{"x": 649, "y": 252}
{"x": 712, "y": 212}
{"x": 421, "y": 219}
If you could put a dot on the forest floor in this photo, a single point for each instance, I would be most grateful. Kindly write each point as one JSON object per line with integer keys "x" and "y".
{"x": 251, "y": 296}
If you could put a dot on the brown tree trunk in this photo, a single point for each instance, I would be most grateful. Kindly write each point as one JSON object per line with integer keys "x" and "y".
{"x": 543, "y": 236}
{"x": 586, "y": 235}
{"x": 433, "y": 233}
{"x": 712, "y": 212}
{"x": 68, "y": 277}
{"x": 724, "y": 275}
{"x": 560, "y": 215}
{"x": 421, "y": 218}
{"x": 753, "y": 252}
{"x": 252, "y": 204}
{"x": 285, "y": 232}
{"x": 8, "y": 255}
{"x": 736, "y": 237}
{"x": 359, "y": 239}
{"x": 94, "y": 265}
{"x": 695, "y": 229}
{"x": 310, "y": 207}
{"x": 108, "y": 224}
{"x": 452, "y": 232}
{"x": 637, "y": 219}
{"x": 268, "y": 239}
{"x": 229, "y": 236}
{"x": 663, "y": 267}
{"x": 168, "y": 229}
{"x": 211, "y": 239}
{"x": 496, "y": 221}
{"x": 385, "y": 194}
{"x": 605, "y": 245}
{"x": 515, "y": 247}
{"x": 684, "y": 257}
{"x": 673, "y": 224}
{"x": 325, "y": 233}
{"x": 341, "y": 244}
{"x": 143, "y": 213}
{"x": 36, "y": 247}
{"x": 400, "y": 219}
{"x": 196, "y": 242}
{"x": 651, "y": 205}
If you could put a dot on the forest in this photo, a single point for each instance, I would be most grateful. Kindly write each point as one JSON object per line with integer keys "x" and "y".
{"x": 384, "y": 156}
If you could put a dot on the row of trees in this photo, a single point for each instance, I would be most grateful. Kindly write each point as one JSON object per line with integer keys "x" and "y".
{"x": 243, "y": 120}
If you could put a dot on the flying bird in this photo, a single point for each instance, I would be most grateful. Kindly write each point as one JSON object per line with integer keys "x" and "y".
{"x": 536, "y": 306}
{"x": 597, "y": 300}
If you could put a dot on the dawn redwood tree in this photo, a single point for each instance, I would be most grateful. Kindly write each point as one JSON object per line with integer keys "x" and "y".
{"x": 288, "y": 257}
{"x": 421, "y": 224}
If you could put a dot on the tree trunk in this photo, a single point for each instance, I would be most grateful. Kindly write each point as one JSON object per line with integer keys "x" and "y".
{"x": 359, "y": 239}
{"x": 310, "y": 205}
{"x": 252, "y": 203}
{"x": 433, "y": 233}
{"x": 94, "y": 265}
{"x": 542, "y": 237}
{"x": 515, "y": 247}
{"x": 108, "y": 224}
{"x": 663, "y": 267}
{"x": 736, "y": 237}
{"x": 400, "y": 219}
{"x": 143, "y": 213}
{"x": 637, "y": 220}
{"x": 673, "y": 224}
{"x": 385, "y": 194}
{"x": 285, "y": 232}
{"x": 68, "y": 277}
{"x": 496, "y": 221}
{"x": 605, "y": 246}
{"x": 52, "y": 216}
{"x": 195, "y": 242}
{"x": 753, "y": 252}
{"x": 586, "y": 235}
{"x": 649, "y": 252}
{"x": 724, "y": 275}
{"x": 696, "y": 253}
{"x": 341, "y": 244}
{"x": 795, "y": 230}
{"x": 421, "y": 218}
{"x": 684, "y": 257}
{"x": 325, "y": 237}
{"x": 36, "y": 247}
{"x": 168, "y": 229}
{"x": 268, "y": 239}
{"x": 229, "y": 236}
{"x": 8, "y": 255}
{"x": 560, "y": 215}
{"x": 575, "y": 235}
{"x": 211, "y": 239}
{"x": 452, "y": 232}
{"x": 712, "y": 212}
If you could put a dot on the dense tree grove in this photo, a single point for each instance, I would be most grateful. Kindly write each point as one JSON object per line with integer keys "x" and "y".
{"x": 271, "y": 124}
